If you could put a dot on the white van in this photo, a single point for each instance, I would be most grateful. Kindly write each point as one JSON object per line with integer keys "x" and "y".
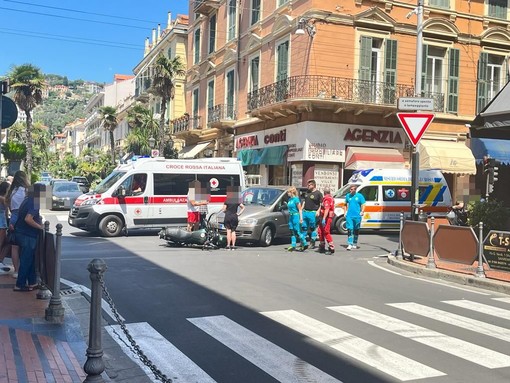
{"x": 388, "y": 193}
{"x": 152, "y": 193}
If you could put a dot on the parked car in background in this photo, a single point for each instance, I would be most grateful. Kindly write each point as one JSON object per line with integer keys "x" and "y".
{"x": 64, "y": 193}
{"x": 265, "y": 216}
{"x": 46, "y": 178}
{"x": 83, "y": 182}
{"x": 55, "y": 180}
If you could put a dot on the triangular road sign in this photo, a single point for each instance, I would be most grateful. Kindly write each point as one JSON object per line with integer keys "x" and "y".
{"x": 415, "y": 124}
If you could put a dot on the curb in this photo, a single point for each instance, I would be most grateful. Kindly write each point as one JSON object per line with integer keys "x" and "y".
{"x": 450, "y": 276}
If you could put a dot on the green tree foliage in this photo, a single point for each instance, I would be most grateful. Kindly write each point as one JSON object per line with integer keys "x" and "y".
{"x": 163, "y": 86}
{"x": 108, "y": 116}
{"x": 143, "y": 126}
{"x": 57, "y": 113}
{"x": 27, "y": 82}
{"x": 492, "y": 213}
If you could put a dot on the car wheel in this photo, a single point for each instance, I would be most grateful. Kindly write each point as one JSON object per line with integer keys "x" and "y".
{"x": 266, "y": 237}
{"x": 341, "y": 225}
{"x": 111, "y": 226}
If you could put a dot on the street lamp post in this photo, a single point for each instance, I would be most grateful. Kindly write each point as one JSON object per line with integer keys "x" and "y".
{"x": 152, "y": 144}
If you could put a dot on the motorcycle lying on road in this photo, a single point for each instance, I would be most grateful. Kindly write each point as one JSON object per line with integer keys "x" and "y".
{"x": 205, "y": 238}
{"x": 457, "y": 216}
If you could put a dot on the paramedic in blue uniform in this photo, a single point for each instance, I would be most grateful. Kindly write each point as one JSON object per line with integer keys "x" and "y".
{"x": 311, "y": 210}
{"x": 355, "y": 209}
{"x": 295, "y": 219}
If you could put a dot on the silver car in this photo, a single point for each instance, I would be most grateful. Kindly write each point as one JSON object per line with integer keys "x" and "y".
{"x": 265, "y": 216}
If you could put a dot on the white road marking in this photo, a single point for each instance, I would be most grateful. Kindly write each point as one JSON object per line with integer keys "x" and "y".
{"x": 481, "y": 308}
{"x": 168, "y": 359}
{"x": 372, "y": 263}
{"x": 62, "y": 218}
{"x": 366, "y": 352}
{"x": 460, "y": 348}
{"x": 455, "y": 320}
{"x": 506, "y": 300}
{"x": 275, "y": 361}
{"x": 470, "y": 290}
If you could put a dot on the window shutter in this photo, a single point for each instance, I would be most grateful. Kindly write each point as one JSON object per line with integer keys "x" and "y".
{"x": 498, "y": 9}
{"x": 255, "y": 11}
{"x": 212, "y": 34}
{"x": 254, "y": 74}
{"x": 390, "y": 71}
{"x": 231, "y": 20}
{"x": 365, "y": 58}
{"x": 197, "y": 47}
{"x": 483, "y": 91}
{"x": 283, "y": 61}
{"x": 453, "y": 81}
{"x": 440, "y": 3}
{"x": 210, "y": 94}
{"x": 424, "y": 59}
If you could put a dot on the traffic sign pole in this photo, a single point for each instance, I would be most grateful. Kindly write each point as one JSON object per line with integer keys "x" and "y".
{"x": 415, "y": 125}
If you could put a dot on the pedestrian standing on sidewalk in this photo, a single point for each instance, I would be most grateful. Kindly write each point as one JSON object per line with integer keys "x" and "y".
{"x": 295, "y": 219}
{"x": 327, "y": 211}
{"x": 28, "y": 227}
{"x": 355, "y": 210}
{"x": 232, "y": 208}
{"x": 15, "y": 196}
{"x": 311, "y": 210}
{"x": 4, "y": 246}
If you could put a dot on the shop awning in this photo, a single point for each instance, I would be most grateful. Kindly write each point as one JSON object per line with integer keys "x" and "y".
{"x": 498, "y": 149}
{"x": 273, "y": 155}
{"x": 447, "y": 156}
{"x": 373, "y": 158}
{"x": 193, "y": 150}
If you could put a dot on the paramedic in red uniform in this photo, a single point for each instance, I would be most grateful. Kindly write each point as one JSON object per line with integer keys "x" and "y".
{"x": 327, "y": 211}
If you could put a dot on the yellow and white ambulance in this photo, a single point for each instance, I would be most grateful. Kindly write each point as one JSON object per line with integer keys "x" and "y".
{"x": 388, "y": 193}
{"x": 152, "y": 193}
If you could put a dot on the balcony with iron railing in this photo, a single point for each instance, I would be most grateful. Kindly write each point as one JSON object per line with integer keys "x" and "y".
{"x": 221, "y": 115}
{"x": 205, "y": 7}
{"x": 185, "y": 124}
{"x": 335, "y": 89}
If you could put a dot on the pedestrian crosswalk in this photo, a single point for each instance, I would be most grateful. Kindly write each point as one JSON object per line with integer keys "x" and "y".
{"x": 465, "y": 327}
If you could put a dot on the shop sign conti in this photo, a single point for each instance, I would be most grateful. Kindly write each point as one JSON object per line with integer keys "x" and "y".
{"x": 253, "y": 140}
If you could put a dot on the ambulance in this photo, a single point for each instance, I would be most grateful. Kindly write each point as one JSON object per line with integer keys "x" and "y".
{"x": 152, "y": 193}
{"x": 388, "y": 193}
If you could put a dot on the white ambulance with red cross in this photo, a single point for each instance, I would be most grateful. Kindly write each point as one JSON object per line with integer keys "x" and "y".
{"x": 152, "y": 193}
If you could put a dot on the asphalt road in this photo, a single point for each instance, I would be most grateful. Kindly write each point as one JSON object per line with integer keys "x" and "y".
{"x": 266, "y": 315}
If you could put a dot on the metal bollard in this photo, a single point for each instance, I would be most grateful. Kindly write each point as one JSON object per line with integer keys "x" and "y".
{"x": 44, "y": 292}
{"x": 479, "y": 270}
{"x": 399, "y": 254}
{"x": 94, "y": 366}
{"x": 55, "y": 310}
{"x": 431, "y": 263}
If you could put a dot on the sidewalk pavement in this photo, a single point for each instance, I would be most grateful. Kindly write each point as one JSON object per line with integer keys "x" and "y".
{"x": 33, "y": 350}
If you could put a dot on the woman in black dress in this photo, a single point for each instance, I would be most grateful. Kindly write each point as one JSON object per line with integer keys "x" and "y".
{"x": 232, "y": 208}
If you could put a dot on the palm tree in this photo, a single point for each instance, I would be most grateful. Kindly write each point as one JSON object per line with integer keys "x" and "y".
{"x": 163, "y": 86}
{"x": 28, "y": 82}
{"x": 143, "y": 126}
{"x": 109, "y": 122}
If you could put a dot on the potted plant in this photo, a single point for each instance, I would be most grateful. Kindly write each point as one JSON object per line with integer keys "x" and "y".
{"x": 14, "y": 152}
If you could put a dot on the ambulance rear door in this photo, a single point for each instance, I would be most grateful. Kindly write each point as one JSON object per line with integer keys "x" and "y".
{"x": 373, "y": 213}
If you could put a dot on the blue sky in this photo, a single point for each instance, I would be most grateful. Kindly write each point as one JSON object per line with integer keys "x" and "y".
{"x": 38, "y": 32}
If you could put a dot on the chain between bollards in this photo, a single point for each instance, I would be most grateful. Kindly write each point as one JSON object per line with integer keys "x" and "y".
{"x": 479, "y": 270}
{"x": 431, "y": 263}
{"x": 94, "y": 366}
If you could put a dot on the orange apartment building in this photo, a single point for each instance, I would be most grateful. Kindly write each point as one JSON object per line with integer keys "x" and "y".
{"x": 301, "y": 89}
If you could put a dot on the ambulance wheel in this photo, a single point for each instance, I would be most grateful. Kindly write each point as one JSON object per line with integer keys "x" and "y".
{"x": 266, "y": 237}
{"x": 111, "y": 226}
{"x": 341, "y": 225}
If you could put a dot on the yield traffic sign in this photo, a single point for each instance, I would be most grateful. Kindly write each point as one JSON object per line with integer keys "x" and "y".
{"x": 415, "y": 124}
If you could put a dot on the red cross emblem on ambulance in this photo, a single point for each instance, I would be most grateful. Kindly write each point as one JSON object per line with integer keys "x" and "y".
{"x": 214, "y": 183}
